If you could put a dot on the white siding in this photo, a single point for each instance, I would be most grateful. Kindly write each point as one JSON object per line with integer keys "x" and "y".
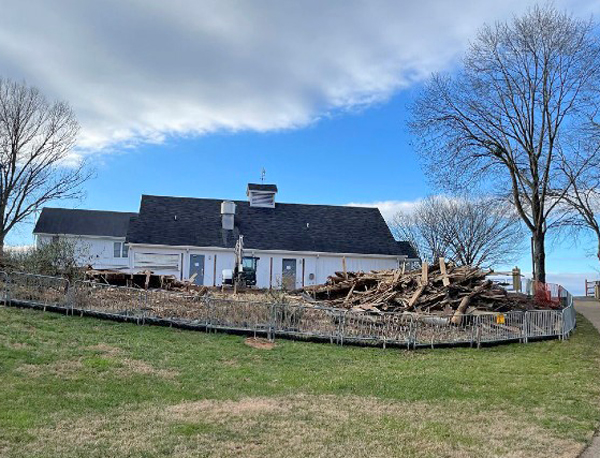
{"x": 96, "y": 251}
{"x": 139, "y": 256}
{"x": 320, "y": 265}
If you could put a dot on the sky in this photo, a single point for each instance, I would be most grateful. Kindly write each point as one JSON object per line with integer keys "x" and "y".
{"x": 196, "y": 97}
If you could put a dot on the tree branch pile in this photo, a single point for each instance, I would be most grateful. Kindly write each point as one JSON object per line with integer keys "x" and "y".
{"x": 439, "y": 288}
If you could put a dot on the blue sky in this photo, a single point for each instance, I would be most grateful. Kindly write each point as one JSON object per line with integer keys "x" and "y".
{"x": 194, "y": 98}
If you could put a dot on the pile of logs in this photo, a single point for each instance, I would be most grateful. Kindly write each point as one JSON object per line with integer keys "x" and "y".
{"x": 439, "y": 288}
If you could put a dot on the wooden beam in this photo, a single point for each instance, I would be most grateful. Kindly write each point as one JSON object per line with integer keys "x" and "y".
{"x": 415, "y": 296}
{"x": 424, "y": 273}
{"x": 303, "y": 262}
{"x": 445, "y": 279}
{"x": 215, "y": 271}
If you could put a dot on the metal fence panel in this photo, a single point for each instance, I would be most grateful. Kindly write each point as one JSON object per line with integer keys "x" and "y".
{"x": 543, "y": 323}
{"x": 439, "y": 329}
{"x": 312, "y": 322}
{"x": 4, "y": 287}
{"x": 392, "y": 328}
{"x": 117, "y": 300}
{"x": 40, "y": 289}
{"x": 170, "y": 305}
{"x": 240, "y": 315}
{"x": 569, "y": 320}
{"x": 501, "y": 327}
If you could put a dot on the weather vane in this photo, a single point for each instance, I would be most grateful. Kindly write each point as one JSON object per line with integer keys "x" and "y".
{"x": 262, "y": 175}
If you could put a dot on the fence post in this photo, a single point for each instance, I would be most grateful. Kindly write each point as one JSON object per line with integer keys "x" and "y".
{"x": 69, "y": 298}
{"x": 8, "y": 300}
{"x": 414, "y": 333}
{"x": 525, "y": 326}
{"x": 144, "y": 307}
{"x": 342, "y": 327}
{"x": 273, "y": 323}
{"x": 209, "y": 318}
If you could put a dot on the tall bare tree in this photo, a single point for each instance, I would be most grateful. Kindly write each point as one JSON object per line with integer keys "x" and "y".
{"x": 501, "y": 121}
{"x": 36, "y": 138}
{"x": 482, "y": 232}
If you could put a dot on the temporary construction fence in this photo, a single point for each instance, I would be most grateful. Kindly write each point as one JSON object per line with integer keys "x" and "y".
{"x": 272, "y": 317}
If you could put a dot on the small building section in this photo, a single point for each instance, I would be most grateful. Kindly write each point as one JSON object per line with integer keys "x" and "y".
{"x": 98, "y": 236}
{"x": 291, "y": 245}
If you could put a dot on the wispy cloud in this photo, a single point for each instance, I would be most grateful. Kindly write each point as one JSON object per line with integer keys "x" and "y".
{"x": 140, "y": 71}
{"x": 388, "y": 208}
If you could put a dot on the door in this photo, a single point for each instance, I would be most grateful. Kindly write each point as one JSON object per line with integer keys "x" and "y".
{"x": 197, "y": 267}
{"x": 288, "y": 274}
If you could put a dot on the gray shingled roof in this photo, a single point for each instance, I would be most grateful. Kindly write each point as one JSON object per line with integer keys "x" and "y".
{"x": 83, "y": 222}
{"x": 178, "y": 221}
{"x": 262, "y": 187}
{"x": 408, "y": 249}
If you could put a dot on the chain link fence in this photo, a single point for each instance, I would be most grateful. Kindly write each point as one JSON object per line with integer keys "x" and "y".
{"x": 271, "y": 317}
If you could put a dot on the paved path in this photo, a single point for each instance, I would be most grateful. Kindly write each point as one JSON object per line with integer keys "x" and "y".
{"x": 590, "y": 309}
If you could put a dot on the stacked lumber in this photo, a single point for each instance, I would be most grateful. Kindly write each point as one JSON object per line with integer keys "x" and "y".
{"x": 439, "y": 288}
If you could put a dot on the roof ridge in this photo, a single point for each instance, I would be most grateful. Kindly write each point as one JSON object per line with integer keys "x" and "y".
{"x": 246, "y": 201}
{"x": 90, "y": 210}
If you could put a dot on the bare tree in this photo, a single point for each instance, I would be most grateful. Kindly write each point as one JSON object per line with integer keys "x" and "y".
{"x": 500, "y": 123}
{"x": 421, "y": 228}
{"x": 481, "y": 233}
{"x": 580, "y": 206}
{"x": 36, "y": 138}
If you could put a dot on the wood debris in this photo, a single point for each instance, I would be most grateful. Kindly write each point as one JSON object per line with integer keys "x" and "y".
{"x": 145, "y": 279}
{"x": 438, "y": 288}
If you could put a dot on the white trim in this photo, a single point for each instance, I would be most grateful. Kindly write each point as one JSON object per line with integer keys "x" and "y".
{"x": 402, "y": 257}
{"x": 110, "y": 237}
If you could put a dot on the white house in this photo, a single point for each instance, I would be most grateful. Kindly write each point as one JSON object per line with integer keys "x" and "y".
{"x": 98, "y": 236}
{"x": 296, "y": 244}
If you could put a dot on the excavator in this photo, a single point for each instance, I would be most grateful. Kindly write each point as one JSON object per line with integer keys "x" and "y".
{"x": 244, "y": 273}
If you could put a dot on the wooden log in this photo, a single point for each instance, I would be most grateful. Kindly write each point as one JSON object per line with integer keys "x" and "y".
{"x": 415, "y": 296}
{"x": 460, "y": 311}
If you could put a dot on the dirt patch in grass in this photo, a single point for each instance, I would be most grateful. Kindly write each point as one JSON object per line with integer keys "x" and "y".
{"x": 109, "y": 359}
{"x": 260, "y": 343}
{"x": 309, "y": 426}
{"x": 105, "y": 349}
{"x": 18, "y": 345}
{"x": 137, "y": 366}
{"x": 61, "y": 369}
{"x": 130, "y": 366}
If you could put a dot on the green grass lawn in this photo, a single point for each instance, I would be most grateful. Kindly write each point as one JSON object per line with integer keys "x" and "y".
{"x": 80, "y": 387}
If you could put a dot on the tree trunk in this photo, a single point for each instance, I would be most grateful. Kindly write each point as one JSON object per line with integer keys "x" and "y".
{"x": 539, "y": 256}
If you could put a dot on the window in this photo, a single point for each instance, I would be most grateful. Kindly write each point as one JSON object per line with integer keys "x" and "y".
{"x": 121, "y": 250}
{"x": 248, "y": 262}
